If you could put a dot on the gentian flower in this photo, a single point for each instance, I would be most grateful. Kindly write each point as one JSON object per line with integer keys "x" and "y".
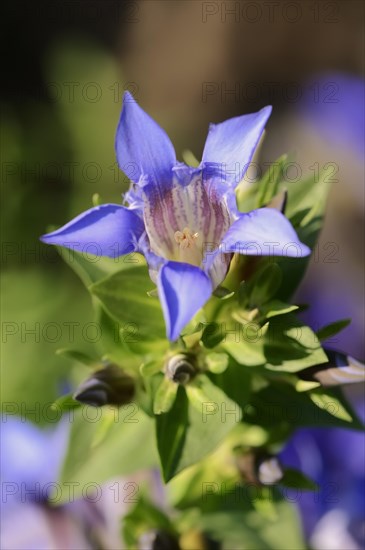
{"x": 184, "y": 220}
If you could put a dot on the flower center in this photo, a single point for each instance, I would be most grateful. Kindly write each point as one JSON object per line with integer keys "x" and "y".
{"x": 188, "y": 246}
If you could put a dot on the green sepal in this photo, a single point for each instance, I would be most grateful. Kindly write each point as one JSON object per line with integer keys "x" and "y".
{"x": 165, "y": 396}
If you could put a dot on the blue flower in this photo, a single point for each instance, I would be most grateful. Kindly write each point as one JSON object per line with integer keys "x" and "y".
{"x": 31, "y": 513}
{"x": 334, "y": 458}
{"x": 184, "y": 220}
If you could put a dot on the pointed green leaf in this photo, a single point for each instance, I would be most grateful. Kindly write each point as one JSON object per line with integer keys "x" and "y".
{"x": 124, "y": 297}
{"x": 186, "y": 433}
{"x": 332, "y": 329}
{"x": 223, "y": 293}
{"x": 280, "y": 404}
{"x": 268, "y": 186}
{"x": 297, "y": 480}
{"x": 275, "y": 308}
{"x": 290, "y": 346}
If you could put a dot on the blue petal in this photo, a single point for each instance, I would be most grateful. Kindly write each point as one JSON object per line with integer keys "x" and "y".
{"x": 183, "y": 289}
{"x": 263, "y": 232}
{"x": 30, "y": 455}
{"x": 233, "y": 142}
{"x": 106, "y": 230}
{"x": 142, "y": 147}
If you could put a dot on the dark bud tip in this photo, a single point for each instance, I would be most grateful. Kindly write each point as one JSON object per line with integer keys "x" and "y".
{"x": 107, "y": 386}
{"x": 92, "y": 392}
{"x": 158, "y": 540}
{"x": 180, "y": 368}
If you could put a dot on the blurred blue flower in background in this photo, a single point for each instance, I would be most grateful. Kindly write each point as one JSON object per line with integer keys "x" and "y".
{"x": 334, "y": 517}
{"x": 338, "y": 114}
{"x": 31, "y": 459}
{"x": 184, "y": 220}
{"x": 337, "y": 117}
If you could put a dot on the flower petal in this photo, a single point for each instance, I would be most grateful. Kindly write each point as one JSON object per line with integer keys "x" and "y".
{"x": 183, "y": 289}
{"x": 263, "y": 232}
{"x": 233, "y": 142}
{"x": 106, "y": 230}
{"x": 142, "y": 147}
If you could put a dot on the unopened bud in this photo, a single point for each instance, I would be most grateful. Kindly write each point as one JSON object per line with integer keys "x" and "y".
{"x": 158, "y": 540}
{"x": 259, "y": 468}
{"x": 180, "y": 368}
{"x": 340, "y": 369}
{"x": 107, "y": 386}
{"x": 269, "y": 471}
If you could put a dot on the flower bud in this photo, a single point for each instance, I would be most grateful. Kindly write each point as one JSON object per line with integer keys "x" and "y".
{"x": 269, "y": 471}
{"x": 340, "y": 369}
{"x": 107, "y": 386}
{"x": 180, "y": 368}
{"x": 158, "y": 540}
{"x": 259, "y": 468}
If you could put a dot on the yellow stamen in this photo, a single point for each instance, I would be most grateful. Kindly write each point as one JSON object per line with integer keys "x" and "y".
{"x": 186, "y": 238}
{"x": 188, "y": 250}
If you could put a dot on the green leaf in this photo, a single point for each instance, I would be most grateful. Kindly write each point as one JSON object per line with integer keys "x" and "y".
{"x": 261, "y": 192}
{"x": 144, "y": 517}
{"x": 333, "y": 401}
{"x": 92, "y": 268}
{"x": 217, "y": 362}
{"x": 212, "y": 335}
{"x": 262, "y": 287}
{"x": 223, "y": 293}
{"x": 94, "y": 455}
{"x": 332, "y": 329}
{"x": 268, "y": 186}
{"x": 275, "y": 308}
{"x": 307, "y": 201}
{"x": 171, "y": 429}
{"x": 245, "y": 352}
{"x": 150, "y": 368}
{"x": 297, "y": 480}
{"x": 187, "y": 434}
{"x": 290, "y": 346}
{"x": 165, "y": 396}
{"x": 114, "y": 344}
{"x": 235, "y": 382}
{"x": 280, "y": 403}
{"x": 124, "y": 297}
{"x": 257, "y": 532}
